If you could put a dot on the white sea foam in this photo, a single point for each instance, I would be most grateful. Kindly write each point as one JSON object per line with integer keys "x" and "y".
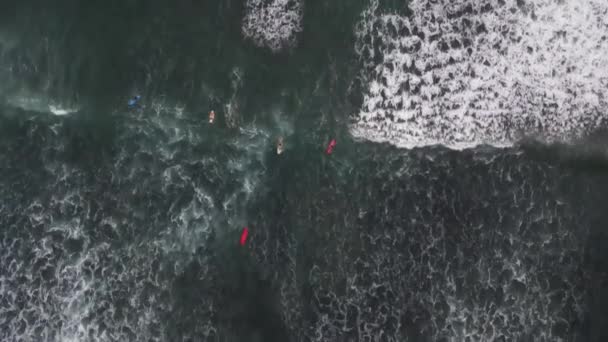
{"x": 60, "y": 111}
{"x": 273, "y": 24}
{"x": 39, "y": 103}
{"x": 80, "y": 282}
{"x": 462, "y": 73}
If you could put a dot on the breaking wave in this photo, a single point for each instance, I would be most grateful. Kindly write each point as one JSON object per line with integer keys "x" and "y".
{"x": 273, "y": 24}
{"x": 462, "y": 73}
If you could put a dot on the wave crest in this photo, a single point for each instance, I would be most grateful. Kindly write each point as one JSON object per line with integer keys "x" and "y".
{"x": 469, "y": 72}
{"x": 273, "y": 24}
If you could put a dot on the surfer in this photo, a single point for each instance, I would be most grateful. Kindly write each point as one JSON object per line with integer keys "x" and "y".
{"x": 211, "y": 117}
{"x": 244, "y": 234}
{"x": 330, "y": 147}
{"x": 134, "y": 101}
{"x": 280, "y": 145}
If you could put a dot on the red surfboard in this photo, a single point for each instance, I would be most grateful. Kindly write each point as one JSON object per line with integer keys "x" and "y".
{"x": 330, "y": 147}
{"x": 244, "y": 234}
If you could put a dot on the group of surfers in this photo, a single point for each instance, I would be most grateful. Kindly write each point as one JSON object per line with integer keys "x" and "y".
{"x": 134, "y": 103}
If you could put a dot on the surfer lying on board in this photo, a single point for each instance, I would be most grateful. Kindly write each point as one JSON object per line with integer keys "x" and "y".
{"x": 211, "y": 117}
{"x": 244, "y": 235}
{"x": 330, "y": 147}
{"x": 134, "y": 101}
{"x": 280, "y": 145}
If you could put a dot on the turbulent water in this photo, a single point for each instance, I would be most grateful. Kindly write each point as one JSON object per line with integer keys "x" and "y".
{"x": 464, "y": 200}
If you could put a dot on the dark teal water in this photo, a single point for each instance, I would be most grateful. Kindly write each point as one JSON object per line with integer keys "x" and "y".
{"x": 123, "y": 225}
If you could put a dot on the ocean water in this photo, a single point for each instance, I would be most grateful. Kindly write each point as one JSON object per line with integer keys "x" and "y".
{"x": 464, "y": 200}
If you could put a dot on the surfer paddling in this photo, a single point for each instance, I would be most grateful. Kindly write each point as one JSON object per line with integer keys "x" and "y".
{"x": 211, "y": 117}
{"x": 280, "y": 145}
{"x": 244, "y": 234}
{"x": 330, "y": 148}
{"x": 134, "y": 102}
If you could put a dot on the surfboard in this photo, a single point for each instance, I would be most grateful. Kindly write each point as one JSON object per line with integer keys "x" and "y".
{"x": 280, "y": 145}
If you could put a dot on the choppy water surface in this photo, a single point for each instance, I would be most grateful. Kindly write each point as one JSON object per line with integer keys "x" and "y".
{"x": 437, "y": 218}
